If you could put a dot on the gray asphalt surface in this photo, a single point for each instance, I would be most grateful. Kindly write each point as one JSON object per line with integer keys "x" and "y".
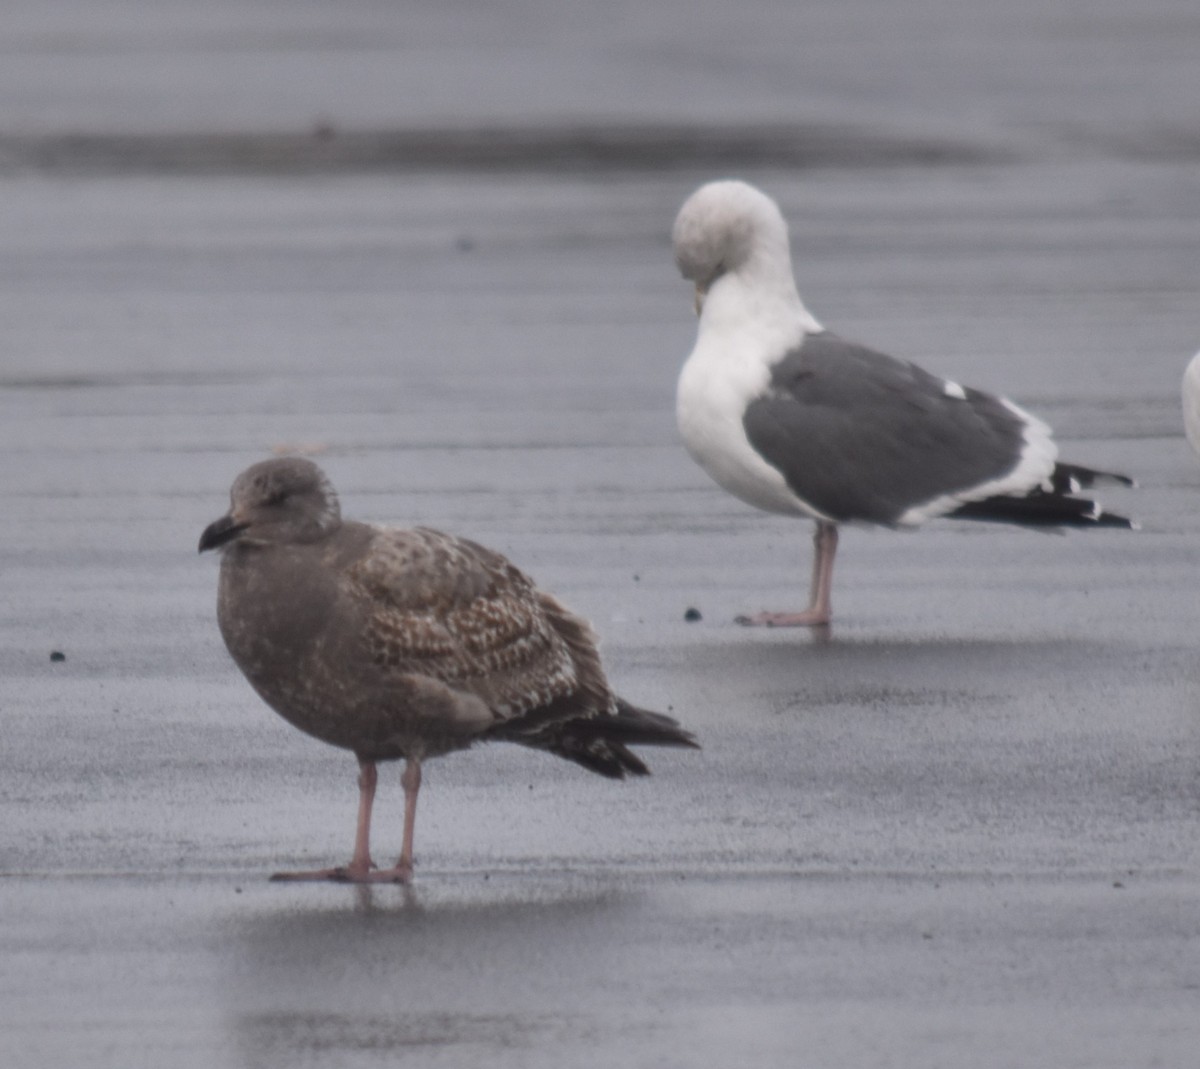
{"x": 959, "y": 830}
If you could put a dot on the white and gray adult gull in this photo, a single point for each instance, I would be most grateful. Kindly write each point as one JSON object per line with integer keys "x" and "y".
{"x": 793, "y": 419}
{"x": 1191, "y": 402}
{"x": 406, "y": 644}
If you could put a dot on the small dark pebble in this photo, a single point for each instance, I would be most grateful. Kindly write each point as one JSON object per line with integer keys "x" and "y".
{"x": 692, "y": 615}
{"x": 465, "y": 244}
{"x": 57, "y": 655}
{"x": 637, "y": 578}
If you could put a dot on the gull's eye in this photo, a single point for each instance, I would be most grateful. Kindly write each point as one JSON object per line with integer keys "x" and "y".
{"x": 275, "y": 497}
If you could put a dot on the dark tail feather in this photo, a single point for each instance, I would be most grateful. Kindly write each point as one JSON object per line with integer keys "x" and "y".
{"x": 600, "y": 742}
{"x": 1071, "y": 478}
{"x": 640, "y": 727}
{"x": 609, "y": 759}
{"x": 1041, "y": 509}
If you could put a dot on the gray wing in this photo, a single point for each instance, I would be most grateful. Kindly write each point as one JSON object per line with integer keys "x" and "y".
{"x": 451, "y": 610}
{"x": 861, "y": 436}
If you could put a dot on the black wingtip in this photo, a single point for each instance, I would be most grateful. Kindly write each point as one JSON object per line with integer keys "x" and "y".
{"x": 1071, "y": 478}
{"x": 1112, "y": 519}
{"x": 641, "y": 727}
{"x": 601, "y": 743}
{"x": 1041, "y": 509}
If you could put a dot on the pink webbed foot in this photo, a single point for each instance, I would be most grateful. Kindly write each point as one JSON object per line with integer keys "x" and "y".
{"x": 820, "y": 610}
{"x": 808, "y": 618}
{"x": 351, "y": 873}
{"x": 361, "y": 868}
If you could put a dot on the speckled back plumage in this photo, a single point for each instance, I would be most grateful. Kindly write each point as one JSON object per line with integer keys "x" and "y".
{"x": 450, "y": 608}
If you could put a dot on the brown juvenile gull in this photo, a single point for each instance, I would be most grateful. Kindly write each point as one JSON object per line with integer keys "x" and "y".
{"x": 406, "y": 644}
{"x": 793, "y": 419}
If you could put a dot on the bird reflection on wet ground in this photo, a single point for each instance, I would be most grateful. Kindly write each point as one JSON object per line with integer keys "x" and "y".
{"x": 320, "y": 979}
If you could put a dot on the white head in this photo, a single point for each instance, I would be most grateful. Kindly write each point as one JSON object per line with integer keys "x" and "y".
{"x": 730, "y": 229}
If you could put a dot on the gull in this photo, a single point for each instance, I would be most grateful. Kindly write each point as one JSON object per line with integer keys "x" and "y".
{"x": 1191, "y": 402}
{"x": 406, "y": 645}
{"x": 793, "y": 419}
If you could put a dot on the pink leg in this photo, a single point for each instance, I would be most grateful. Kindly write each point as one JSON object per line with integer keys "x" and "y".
{"x": 368, "y": 776}
{"x": 361, "y": 869}
{"x": 820, "y": 608}
{"x": 411, "y": 782}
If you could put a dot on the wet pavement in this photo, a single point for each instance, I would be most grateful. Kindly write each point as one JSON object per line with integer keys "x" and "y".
{"x": 962, "y": 828}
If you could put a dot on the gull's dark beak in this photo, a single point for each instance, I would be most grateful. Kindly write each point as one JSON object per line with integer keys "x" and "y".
{"x": 701, "y": 293}
{"x": 217, "y": 533}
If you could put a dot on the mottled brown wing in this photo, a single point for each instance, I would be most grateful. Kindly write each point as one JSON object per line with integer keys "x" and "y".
{"x": 453, "y": 610}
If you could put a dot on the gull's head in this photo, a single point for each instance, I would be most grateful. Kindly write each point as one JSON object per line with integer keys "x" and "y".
{"x": 728, "y": 228}
{"x": 279, "y": 501}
